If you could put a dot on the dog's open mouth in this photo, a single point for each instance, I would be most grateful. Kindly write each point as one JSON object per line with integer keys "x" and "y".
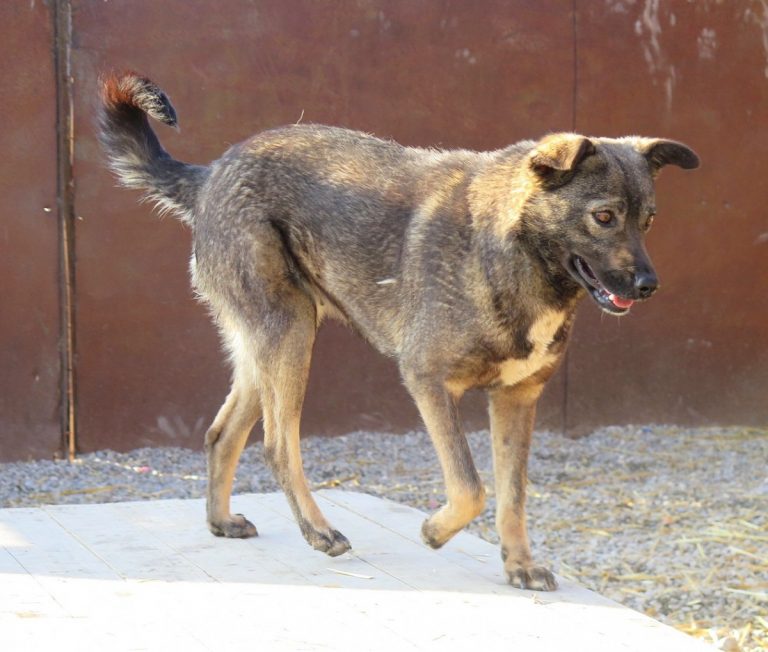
{"x": 602, "y": 296}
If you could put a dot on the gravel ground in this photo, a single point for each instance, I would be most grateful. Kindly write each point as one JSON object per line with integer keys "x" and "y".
{"x": 672, "y": 522}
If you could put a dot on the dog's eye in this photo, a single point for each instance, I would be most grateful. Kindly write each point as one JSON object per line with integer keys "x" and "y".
{"x": 605, "y": 218}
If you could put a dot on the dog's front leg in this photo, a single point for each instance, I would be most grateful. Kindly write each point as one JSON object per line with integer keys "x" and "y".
{"x": 512, "y": 411}
{"x": 463, "y": 487}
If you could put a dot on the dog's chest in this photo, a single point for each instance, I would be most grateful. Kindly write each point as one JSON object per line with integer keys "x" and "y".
{"x": 540, "y": 335}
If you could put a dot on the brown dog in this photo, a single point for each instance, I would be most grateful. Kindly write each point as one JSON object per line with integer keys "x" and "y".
{"x": 465, "y": 267}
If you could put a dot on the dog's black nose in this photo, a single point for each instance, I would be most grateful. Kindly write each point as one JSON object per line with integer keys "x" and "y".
{"x": 646, "y": 284}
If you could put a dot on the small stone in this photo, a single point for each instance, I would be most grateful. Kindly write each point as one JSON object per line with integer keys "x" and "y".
{"x": 730, "y": 645}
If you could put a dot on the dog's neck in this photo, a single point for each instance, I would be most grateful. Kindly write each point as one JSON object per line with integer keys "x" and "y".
{"x": 559, "y": 289}
{"x": 518, "y": 262}
{"x": 520, "y": 270}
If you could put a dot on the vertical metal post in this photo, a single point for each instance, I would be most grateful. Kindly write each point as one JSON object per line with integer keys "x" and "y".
{"x": 65, "y": 195}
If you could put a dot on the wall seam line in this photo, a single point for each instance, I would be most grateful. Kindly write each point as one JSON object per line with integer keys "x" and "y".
{"x": 574, "y": 95}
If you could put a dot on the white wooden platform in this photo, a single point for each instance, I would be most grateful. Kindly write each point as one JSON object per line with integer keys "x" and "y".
{"x": 149, "y": 576}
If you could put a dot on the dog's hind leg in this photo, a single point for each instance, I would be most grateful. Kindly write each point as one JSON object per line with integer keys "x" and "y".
{"x": 283, "y": 396}
{"x": 463, "y": 487}
{"x": 224, "y": 442}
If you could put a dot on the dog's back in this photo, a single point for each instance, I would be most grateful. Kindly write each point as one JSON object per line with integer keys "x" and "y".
{"x": 364, "y": 226}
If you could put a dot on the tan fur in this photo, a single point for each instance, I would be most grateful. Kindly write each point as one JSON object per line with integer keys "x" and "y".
{"x": 542, "y": 331}
{"x": 499, "y": 194}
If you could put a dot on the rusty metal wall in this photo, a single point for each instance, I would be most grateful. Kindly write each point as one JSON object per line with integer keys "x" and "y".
{"x": 29, "y": 307}
{"x": 449, "y": 74}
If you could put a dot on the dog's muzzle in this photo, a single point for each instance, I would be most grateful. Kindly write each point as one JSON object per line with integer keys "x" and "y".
{"x": 644, "y": 284}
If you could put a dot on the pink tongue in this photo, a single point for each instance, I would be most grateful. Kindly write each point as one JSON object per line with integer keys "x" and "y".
{"x": 619, "y": 302}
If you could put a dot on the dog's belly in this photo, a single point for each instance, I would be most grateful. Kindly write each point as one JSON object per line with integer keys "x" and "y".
{"x": 541, "y": 335}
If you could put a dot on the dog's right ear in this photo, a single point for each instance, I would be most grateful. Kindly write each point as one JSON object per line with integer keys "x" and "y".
{"x": 660, "y": 152}
{"x": 557, "y": 154}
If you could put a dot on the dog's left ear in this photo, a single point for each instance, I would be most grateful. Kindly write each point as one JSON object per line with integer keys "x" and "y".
{"x": 560, "y": 153}
{"x": 660, "y": 152}
{"x": 556, "y": 157}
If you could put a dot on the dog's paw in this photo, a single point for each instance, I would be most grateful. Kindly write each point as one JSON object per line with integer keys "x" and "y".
{"x": 236, "y": 527}
{"x": 528, "y": 576}
{"x": 331, "y": 542}
{"x": 432, "y": 535}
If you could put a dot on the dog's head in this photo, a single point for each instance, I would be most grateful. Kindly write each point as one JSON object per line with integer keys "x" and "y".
{"x": 591, "y": 206}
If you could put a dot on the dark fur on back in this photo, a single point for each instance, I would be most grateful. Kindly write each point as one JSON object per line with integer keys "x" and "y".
{"x": 465, "y": 267}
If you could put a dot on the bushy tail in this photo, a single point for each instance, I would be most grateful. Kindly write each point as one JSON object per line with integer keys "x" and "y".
{"x": 135, "y": 154}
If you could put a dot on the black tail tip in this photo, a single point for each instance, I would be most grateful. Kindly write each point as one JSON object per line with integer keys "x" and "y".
{"x": 167, "y": 114}
{"x": 131, "y": 90}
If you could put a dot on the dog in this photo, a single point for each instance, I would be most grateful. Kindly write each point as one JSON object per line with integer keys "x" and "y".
{"x": 464, "y": 267}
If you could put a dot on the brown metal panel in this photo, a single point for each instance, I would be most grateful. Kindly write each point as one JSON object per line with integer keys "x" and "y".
{"x": 697, "y": 353}
{"x": 29, "y": 326}
{"x": 424, "y": 73}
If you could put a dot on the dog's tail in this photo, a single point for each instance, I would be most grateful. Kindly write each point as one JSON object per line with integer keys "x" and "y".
{"x": 135, "y": 154}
